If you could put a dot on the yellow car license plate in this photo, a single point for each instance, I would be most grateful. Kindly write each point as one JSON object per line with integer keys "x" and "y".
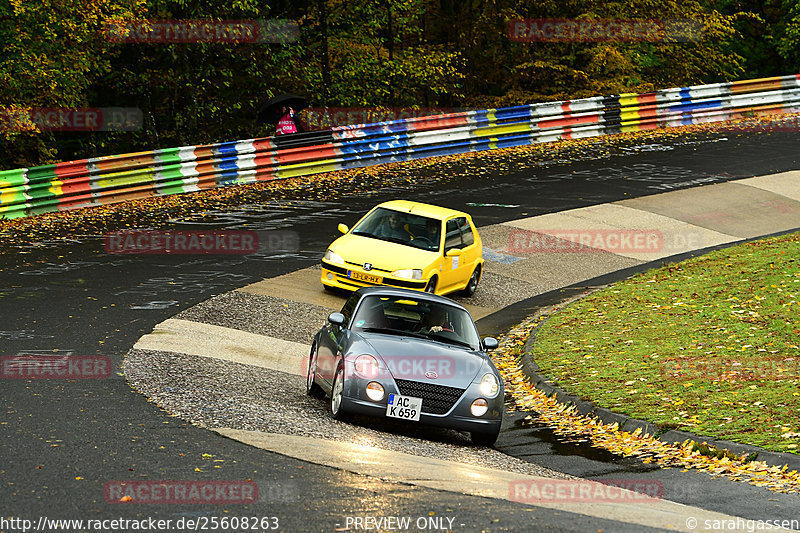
{"x": 360, "y": 276}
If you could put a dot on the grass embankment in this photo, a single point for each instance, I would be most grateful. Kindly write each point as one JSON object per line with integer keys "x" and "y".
{"x": 710, "y": 345}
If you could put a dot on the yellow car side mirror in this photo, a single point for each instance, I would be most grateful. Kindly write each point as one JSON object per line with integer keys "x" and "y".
{"x": 343, "y": 228}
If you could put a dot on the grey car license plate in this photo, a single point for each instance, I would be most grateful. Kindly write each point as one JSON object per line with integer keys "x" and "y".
{"x": 404, "y": 407}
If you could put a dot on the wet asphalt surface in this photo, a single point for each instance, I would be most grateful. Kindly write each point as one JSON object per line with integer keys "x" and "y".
{"x": 62, "y": 441}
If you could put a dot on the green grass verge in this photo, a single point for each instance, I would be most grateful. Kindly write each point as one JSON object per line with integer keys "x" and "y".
{"x": 710, "y": 345}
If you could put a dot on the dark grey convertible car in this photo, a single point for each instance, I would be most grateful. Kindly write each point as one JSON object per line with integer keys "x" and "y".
{"x": 408, "y": 355}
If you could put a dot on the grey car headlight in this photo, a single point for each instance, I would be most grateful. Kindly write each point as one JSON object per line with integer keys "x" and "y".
{"x": 333, "y": 257}
{"x": 409, "y": 273}
{"x": 367, "y": 367}
{"x": 479, "y": 407}
{"x": 375, "y": 391}
{"x": 489, "y": 385}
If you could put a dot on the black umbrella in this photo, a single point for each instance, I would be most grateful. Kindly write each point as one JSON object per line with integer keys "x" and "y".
{"x": 271, "y": 111}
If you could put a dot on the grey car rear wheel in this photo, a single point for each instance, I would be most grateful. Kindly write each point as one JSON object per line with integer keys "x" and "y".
{"x": 312, "y": 389}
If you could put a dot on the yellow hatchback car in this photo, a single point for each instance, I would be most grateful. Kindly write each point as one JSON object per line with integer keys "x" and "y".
{"x": 406, "y": 244}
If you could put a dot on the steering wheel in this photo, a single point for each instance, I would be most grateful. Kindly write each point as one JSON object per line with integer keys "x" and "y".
{"x": 424, "y": 240}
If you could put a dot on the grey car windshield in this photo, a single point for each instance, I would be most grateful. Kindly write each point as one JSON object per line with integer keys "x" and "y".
{"x": 395, "y": 315}
{"x": 402, "y": 228}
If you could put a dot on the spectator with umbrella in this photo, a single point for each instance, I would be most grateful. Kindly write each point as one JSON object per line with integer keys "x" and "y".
{"x": 282, "y": 111}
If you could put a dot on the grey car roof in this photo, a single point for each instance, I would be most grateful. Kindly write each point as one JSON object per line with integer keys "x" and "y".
{"x": 417, "y": 295}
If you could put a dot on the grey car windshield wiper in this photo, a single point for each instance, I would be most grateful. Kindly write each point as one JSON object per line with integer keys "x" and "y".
{"x": 384, "y": 330}
{"x": 396, "y": 332}
{"x": 448, "y": 340}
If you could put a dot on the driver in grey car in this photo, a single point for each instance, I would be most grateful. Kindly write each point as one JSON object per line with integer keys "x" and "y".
{"x": 435, "y": 320}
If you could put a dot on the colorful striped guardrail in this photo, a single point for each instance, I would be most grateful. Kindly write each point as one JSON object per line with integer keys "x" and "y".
{"x": 113, "y": 179}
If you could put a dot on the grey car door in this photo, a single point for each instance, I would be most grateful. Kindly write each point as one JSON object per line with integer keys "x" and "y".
{"x": 331, "y": 344}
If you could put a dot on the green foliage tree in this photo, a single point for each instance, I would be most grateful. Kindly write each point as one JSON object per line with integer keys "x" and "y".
{"x": 201, "y": 92}
{"x": 508, "y": 72}
{"x": 789, "y": 36}
{"x": 353, "y": 53}
{"x": 51, "y": 52}
{"x": 762, "y": 26}
{"x": 380, "y": 54}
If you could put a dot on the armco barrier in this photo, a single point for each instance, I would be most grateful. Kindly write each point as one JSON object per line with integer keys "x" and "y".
{"x": 113, "y": 179}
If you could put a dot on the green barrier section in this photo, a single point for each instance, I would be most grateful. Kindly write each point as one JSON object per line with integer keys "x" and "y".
{"x": 12, "y": 193}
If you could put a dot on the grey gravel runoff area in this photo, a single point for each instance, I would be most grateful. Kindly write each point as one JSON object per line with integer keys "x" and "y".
{"x": 217, "y": 393}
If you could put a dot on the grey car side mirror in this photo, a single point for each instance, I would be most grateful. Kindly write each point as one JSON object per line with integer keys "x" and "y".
{"x": 490, "y": 343}
{"x": 337, "y": 319}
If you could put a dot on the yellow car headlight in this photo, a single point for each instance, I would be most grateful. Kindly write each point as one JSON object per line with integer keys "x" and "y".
{"x": 408, "y": 273}
{"x": 333, "y": 257}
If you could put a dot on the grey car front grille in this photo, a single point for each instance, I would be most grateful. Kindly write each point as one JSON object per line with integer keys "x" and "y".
{"x": 436, "y": 399}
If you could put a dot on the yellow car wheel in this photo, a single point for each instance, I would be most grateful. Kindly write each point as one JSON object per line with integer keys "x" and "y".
{"x": 472, "y": 284}
{"x": 431, "y": 286}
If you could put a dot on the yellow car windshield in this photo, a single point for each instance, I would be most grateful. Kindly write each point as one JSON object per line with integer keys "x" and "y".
{"x": 401, "y": 228}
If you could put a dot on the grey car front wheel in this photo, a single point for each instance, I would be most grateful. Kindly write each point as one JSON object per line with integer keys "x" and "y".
{"x": 484, "y": 439}
{"x": 337, "y": 394}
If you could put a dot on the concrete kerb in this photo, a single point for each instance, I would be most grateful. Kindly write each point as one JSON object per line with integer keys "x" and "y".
{"x": 625, "y": 422}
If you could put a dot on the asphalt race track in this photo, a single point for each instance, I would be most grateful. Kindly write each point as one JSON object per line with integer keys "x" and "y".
{"x": 63, "y": 441}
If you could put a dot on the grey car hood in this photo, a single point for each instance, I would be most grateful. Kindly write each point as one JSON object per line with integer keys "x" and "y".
{"x": 417, "y": 359}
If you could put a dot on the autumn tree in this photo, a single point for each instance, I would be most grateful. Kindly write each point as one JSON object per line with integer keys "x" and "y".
{"x": 769, "y": 34}
{"x": 789, "y": 37}
{"x": 458, "y": 53}
{"x": 505, "y": 72}
{"x": 380, "y": 53}
{"x": 52, "y": 53}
